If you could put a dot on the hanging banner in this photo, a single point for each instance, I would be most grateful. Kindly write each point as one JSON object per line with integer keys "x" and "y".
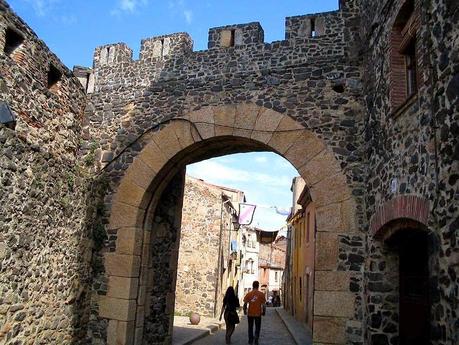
{"x": 246, "y": 212}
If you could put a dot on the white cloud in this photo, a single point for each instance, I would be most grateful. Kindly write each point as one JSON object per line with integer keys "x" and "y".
{"x": 261, "y": 159}
{"x": 180, "y": 7}
{"x": 218, "y": 173}
{"x": 128, "y": 6}
{"x": 188, "y": 16}
{"x": 42, "y": 7}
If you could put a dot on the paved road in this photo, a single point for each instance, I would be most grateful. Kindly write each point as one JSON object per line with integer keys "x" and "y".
{"x": 273, "y": 332}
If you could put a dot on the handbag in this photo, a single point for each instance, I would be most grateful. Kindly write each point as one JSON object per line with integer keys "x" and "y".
{"x": 233, "y": 317}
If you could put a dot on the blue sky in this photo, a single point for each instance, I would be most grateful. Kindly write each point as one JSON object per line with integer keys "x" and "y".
{"x": 264, "y": 177}
{"x": 73, "y": 28}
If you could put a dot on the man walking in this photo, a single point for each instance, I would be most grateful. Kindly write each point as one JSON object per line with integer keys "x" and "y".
{"x": 257, "y": 307}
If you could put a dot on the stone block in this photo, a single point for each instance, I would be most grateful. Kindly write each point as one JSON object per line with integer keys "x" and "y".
{"x": 125, "y": 333}
{"x": 122, "y": 287}
{"x": 326, "y": 251}
{"x": 120, "y": 332}
{"x": 129, "y": 193}
{"x": 203, "y": 115}
{"x": 152, "y": 156}
{"x": 289, "y": 124}
{"x": 224, "y": 117}
{"x": 268, "y": 120}
{"x": 184, "y": 133}
{"x": 167, "y": 141}
{"x": 138, "y": 336}
{"x": 246, "y": 116}
{"x": 140, "y": 173}
{"x": 303, "y": 149}
{"x": 129, "y": 241}
{"x": 349, "y": 216}
{"x": 111, "y": 332}
{"x": 245, "y": 133}
{"x": 124, "y": 216}
{"x": 329, "y": 218}
{"x": 321, "y": 166}
{"x": 122, "y": 265}
{"x": 117, "y": 309}
{"x": 329, "y": 330}
{"x": 331, "y": 280}
{"x": 263, "y": 137}
{"x": 140, "y": 316}
{"x": 281, "y": 141}
{"x": 331, "y": 190}
{"x": 334, "y": 303}
{"x": 205, "y": 130}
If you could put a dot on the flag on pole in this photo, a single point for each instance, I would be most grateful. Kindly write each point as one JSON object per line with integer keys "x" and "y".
{"x": 246, "y": 212}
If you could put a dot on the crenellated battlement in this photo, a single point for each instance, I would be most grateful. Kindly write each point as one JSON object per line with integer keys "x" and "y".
{"x": 166, "y": 46}
{"x": 236, "y": 35}
{"x": 231, "y": 47}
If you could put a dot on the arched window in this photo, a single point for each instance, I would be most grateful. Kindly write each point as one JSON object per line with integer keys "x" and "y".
{"x": 404, "y": 81}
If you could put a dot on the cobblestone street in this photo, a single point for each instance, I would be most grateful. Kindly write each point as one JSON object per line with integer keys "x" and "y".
{"x": 273, "y": 332}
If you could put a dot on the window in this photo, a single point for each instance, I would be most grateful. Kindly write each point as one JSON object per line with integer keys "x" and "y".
{"x": 13, "y": 40}
{"x": 301, "y": 290}
{"x": 308, "y": 224}
{"x": 313, "y": 27}
{"x": 410, "y": 72}
{"x": 403, "y": 57}
{"x": 54, "y": 76}
{"x": 275, "y": 277}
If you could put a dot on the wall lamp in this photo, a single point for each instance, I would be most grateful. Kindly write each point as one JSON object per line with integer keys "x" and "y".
{"x": 7, "y": 117}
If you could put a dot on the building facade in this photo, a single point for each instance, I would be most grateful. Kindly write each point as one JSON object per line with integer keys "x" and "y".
{"x": 250, "y": 250}
{"x": 271, "y": 263}
{"x": 363, "y": 101}
{"x": 301, "y": 253}
{"x": 205, "y": 264}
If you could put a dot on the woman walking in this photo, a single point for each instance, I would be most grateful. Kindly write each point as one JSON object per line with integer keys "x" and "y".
{"x": 230, "y": 306}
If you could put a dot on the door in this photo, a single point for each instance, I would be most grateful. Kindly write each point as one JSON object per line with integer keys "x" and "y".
{"x": 414, "y": 289}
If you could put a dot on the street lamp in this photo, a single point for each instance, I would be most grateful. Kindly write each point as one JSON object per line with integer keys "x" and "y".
{"x": 6, "y": 116}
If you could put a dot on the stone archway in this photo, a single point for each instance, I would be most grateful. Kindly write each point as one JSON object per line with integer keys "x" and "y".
{"x": 211, "y": 131}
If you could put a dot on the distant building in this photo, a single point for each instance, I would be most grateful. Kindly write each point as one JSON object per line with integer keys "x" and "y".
{"x": 249, "y": 260}
{"x": 299, "y": 276}
{"x": 208, "y": 256}
{"x": 271, "y": 266}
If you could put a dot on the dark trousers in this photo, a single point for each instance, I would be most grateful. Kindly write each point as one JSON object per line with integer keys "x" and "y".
{"x": 257, "y": 320}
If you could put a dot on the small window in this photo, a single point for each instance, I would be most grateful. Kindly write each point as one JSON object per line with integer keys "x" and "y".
{"x": 308, "y": 224}
{"x": 313, "y": 27}
{"x": 410, "y": 68}
{"x": 54, "y": 76}
{"x": 301, "y": 290}
{"x": 403, "y": 59}
{"x": 232, "y": 39}
{"x": 13, "y": 40}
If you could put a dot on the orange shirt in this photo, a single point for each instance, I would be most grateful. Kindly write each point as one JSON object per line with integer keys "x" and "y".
{"x": 255, "y": 299}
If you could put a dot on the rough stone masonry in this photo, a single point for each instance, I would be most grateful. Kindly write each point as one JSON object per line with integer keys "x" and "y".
{"x": 91, "y": 178}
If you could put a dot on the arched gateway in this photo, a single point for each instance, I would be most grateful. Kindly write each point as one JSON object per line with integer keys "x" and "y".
{"x": 132, "y": 269}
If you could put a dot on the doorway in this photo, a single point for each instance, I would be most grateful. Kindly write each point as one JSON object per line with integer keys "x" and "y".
{"x": 414, "y": 297}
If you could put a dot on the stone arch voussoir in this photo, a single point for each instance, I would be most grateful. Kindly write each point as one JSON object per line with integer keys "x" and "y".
{"x": 404, "y": 209}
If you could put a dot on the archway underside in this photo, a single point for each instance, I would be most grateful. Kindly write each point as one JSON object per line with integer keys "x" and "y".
{"x": 206, "y": 133}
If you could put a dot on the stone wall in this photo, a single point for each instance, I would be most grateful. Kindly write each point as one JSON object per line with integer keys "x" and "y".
{"x": 313, "y": 80}
{"x": 414, "y": 152}
{"x": 45, "y": 241}
{"x": 199, "y": 279}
